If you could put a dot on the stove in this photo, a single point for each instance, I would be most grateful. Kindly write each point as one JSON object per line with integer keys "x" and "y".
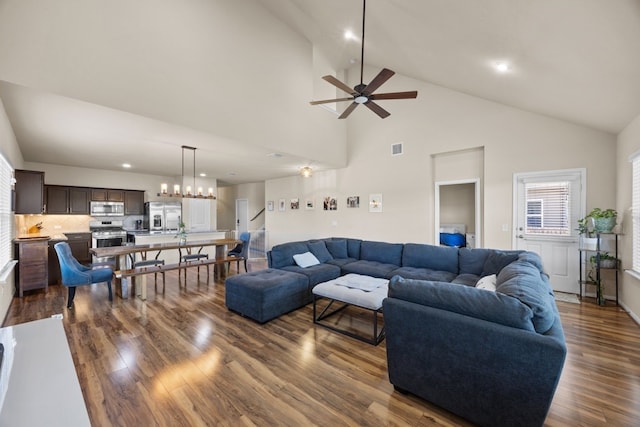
{"x": 106, "y": 234}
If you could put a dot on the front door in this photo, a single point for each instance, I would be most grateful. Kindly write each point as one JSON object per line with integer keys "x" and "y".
{"x": 548, "y": 206}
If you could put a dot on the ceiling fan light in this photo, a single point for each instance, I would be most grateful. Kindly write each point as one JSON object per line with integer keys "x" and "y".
{"x": 306, "y": 172}
{"x": 360, "y": 99}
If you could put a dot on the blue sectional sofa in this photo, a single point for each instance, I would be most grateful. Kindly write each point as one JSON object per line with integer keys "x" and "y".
{"x": 494, "y": 358}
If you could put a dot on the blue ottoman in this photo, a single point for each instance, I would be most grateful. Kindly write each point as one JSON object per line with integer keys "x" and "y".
{"x": 266, "y": 294}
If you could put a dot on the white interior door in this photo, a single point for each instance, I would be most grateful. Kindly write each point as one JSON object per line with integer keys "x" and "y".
{"x": 242, "y": 215}
{"x": 547, "y": 208}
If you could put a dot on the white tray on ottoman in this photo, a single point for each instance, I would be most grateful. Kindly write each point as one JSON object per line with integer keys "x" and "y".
{"x": 352, "y": 289}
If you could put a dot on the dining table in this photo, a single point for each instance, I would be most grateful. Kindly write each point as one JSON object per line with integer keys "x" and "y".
{"x": 124, "y": 255}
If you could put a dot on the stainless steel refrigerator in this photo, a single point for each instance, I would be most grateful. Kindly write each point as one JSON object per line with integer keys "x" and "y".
{"x": 162, "y": 217}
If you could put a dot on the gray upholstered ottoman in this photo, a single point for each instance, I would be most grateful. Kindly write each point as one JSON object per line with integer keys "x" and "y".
{"x": 266, "y": 294}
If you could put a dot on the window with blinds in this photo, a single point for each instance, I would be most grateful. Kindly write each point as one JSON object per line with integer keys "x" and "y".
{"x": 635, "y": 210}
{"x": 6, "y": 173}
{"x": 548, "y": 205}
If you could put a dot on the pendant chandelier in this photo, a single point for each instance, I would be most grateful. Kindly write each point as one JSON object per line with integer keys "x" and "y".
{"x": 190, "y": 191}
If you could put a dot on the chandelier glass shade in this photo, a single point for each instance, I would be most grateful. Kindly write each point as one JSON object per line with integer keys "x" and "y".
{"x": 190, "y": 191}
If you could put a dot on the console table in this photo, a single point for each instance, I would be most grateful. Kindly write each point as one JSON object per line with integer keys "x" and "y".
{"x": 38, "y": 378}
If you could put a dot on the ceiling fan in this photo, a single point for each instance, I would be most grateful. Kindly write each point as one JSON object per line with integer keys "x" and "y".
{"x": 363, "y": 93}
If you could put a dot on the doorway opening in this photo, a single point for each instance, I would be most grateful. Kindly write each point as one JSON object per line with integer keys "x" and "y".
{"x": 457, "y": 213}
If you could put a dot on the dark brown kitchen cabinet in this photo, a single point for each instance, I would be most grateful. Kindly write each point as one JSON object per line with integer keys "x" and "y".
{"x": 29, "y": 192}
{"x": 67, "y": 200}
{"x": 33, "y": 268}
{"x": 107, "y": 195}
{"x": 134, "y": 202}
{"x": 57, "y": 199}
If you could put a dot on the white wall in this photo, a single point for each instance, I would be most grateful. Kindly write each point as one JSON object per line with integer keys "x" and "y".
{"x": 438, "y": 121}
{"x": 628, "y": 144}
{"x": 11, "y": 152}
{"x": 225, "y": 67}
{"x": 253, "y": 192}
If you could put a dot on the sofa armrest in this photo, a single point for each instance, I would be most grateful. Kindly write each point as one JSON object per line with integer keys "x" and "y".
{"x": 488, "y": 373}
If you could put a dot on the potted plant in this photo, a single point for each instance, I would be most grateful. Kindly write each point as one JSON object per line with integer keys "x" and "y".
{"x": 182, "y": 232}
{"x": 603, "y": 219}
{"x": 606, "y": 260}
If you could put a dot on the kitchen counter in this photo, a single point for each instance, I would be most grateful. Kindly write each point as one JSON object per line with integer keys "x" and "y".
{"x": 171, "y": 233}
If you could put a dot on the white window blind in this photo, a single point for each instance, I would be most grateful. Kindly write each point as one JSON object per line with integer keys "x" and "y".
{"x": 548, "y": 205}
{"x": 6, "y": 173}
{"x": 635, "y": 211}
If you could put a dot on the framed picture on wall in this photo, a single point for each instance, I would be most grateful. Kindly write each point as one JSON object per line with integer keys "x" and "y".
{"x": 308, "y": 204}
{"x": 375, "y": 202}
{"x": 330, "y": 203}
{"x": 353, "y": 201}
{"x": 295, "y": 204}
{"x": 281, "y": 205}
{"x": 270, "y": 205}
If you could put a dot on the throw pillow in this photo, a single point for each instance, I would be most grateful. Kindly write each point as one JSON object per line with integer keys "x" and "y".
{"x": 487, "y": 283}
{"x": 320, "y": 251}
{"x": 337, "y": 248}
{"x": 496, "y": 261}
{"x": 305, "y": 260}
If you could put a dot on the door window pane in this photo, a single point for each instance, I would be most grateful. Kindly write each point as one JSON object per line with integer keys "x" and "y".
{"x": 548, "y": 208}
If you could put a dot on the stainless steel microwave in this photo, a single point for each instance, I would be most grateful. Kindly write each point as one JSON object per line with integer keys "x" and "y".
{"x": 107, "y": 208}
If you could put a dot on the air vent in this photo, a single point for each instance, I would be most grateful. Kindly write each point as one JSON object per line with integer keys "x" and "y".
{"x": 396, "y": 149}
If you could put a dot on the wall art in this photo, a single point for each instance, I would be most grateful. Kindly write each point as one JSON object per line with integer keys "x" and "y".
{"x": 295, "y": 204}
{"x": 375, "y": 202}
{"x": 353, "y": 201}
{"x": 330, "y": 203}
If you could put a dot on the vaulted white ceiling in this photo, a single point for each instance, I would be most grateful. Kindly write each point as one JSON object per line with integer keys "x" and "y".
{"x": 98, "y": 84}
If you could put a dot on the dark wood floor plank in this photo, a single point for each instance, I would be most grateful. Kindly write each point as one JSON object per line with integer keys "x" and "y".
{"x": 181, "y": 358}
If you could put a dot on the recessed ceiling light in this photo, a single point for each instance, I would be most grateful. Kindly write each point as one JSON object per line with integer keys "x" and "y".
{"x": 126, "y": 165}
{"x": 203, "y": 174}
{"x": 502, "y": 67}
{"x": 349, "y": 35}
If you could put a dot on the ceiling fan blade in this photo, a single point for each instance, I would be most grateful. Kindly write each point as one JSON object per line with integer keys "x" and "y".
{"x": 348, "y": 111}
{"x": 337, "y": 83}
{"x": 377, "y": 109}
{"x": 395, "y": 95}
{"x": 327, "y": 101}
{"x": 377, "y": 81}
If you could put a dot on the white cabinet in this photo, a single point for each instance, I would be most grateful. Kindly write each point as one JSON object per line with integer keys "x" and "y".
{"x": 199, "y": 214}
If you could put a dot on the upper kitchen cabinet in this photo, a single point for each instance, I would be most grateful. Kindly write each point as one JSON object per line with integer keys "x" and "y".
{"x": 67, "y": 200}
{"x": 107, "y": 195}
{"x": 134, "y": 202}
{"x": 29, "y": 192}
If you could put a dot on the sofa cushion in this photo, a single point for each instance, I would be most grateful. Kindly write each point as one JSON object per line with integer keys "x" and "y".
{"x": 382, "y": 252}
{"x": 471, "y": 261}
{"x": 523, "y": 280}
{"x": 467, "y": 279}
{"x": 305, "y": 260}
{"x": 319, "y": 249}
{"x": 369, "y": 268}
{"x": 424, "y": 274}
{"x": 487, "y": 283}
{"x": 317, "y": 273}
{"x": 429, "y": 256}
{"x": 353, "y": 248}
{"x": 466, "y": 300}
{"x": 282, "y": 255}
{"x": 497, "y": 260}
{"x": 337, "y": 248}
{"x": 341, "y": 261}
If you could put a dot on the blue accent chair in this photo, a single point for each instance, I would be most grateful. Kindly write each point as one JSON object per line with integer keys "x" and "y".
{"x": 242, "y": 249}
{"x": 75, "y": 274}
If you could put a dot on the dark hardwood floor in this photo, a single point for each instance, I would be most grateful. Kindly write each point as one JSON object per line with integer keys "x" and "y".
{"x": 182, "y": 359}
